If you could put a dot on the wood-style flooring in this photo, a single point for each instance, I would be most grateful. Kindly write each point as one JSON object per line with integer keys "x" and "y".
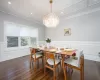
{"x": 19, "y": 69}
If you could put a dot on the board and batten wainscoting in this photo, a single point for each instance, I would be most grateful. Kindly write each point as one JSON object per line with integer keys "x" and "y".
{"x": 91, "y": 49}
{"x": 11, "y": 53}
{"x": 0, "y": 51}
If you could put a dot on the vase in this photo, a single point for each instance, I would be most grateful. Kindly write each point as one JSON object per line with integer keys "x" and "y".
{"x": 73, "y": 57}
{"x": 48, "y": 45}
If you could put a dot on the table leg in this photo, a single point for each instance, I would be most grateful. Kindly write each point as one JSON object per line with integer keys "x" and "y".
{"x": 64, "y": 68}
{"x": 35, "y": 65}
{"x": 44, "y": 62}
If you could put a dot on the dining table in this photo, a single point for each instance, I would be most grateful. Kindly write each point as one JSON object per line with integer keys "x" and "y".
{"x": 58, "y": 51}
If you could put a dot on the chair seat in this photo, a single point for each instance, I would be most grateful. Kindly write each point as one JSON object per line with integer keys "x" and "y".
{"x": 72, "y": 62}
{"x": 51, "y": 61}
{"x": 37, "y": 55}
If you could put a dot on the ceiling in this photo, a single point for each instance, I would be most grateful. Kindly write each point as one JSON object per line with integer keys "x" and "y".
{"x": 36, "y": 9}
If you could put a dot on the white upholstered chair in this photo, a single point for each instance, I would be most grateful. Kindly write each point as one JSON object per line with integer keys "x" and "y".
{"x": 35, "y": 56}
{"x": 76, "y": 64}
{"x": 50, "y": 61}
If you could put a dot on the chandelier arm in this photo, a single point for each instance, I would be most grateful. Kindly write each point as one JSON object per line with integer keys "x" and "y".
{"x": 51, "y": 1}
{"x": 51, "y": 7}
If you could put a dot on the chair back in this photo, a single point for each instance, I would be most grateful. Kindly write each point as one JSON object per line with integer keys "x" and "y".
{"x": 50, "y": 55}
{"x": 81, "y": 59}
{"x": 32, "y": 51}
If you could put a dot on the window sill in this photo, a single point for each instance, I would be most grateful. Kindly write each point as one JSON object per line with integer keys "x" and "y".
{"x": 16, "y": 48}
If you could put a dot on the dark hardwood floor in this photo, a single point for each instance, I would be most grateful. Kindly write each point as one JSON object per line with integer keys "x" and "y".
{"x": 19, "y": 69}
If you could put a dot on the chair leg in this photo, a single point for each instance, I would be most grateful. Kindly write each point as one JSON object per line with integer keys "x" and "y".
{"x": 65, "y": 72}
{"x": 30, "y": 64}
{"x": 44, "y": 66}
{"x": 58, "y": 70}
{"x": 82, "y": 74}
{"x": 35, "y": 65}
{"x": 43, "y": 61}
{"x": 44, "y": 70}
{"x": 61, "y": 63}
{"x": 54, "y": 74}
{"x": 71, "y": 72}
{"x": 38, "y": 63}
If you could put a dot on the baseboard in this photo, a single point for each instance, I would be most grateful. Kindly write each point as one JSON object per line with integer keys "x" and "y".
{"x": 2, "y": 60}
{"x": 7, "y": 54}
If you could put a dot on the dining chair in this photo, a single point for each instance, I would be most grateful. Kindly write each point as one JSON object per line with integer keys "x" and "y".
{"x": 59, "y": 50}
{"x": 51, "y": 63}
{"x": 35, "y": 56}
{"x": 75, "y": 64}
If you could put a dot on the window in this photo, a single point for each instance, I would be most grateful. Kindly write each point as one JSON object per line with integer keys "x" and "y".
{"x": 33, "y": 41}
{"x": 12, "y": 41}
{"x": 17, "y": 35}
{"x": 24, "y": 41}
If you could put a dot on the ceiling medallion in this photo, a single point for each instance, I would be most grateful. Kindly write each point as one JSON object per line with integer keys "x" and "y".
{"x": 51, "y": 20}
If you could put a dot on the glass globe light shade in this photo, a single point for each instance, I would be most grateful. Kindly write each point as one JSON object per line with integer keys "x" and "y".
{"x": 51, "y": 20}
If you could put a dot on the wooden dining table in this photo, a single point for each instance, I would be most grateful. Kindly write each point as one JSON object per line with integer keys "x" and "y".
{"x": 68, "y": 52}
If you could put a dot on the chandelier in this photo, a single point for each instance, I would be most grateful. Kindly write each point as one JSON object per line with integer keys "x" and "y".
{"x": 51, "y": 20}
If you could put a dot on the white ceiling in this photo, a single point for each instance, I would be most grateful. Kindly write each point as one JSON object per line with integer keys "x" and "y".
{"x": 39, "y": 8}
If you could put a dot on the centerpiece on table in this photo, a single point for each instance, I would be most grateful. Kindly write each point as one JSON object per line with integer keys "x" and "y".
{"x": 74, "y": 56}
{"x": 48, "y": 41}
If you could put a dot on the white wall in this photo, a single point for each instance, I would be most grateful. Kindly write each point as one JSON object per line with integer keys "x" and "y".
{"x": 83, "y": 28}
{"x": 10, "y": 18}
{"x": 85, "y": 35}
{"x": 10, "y": 54}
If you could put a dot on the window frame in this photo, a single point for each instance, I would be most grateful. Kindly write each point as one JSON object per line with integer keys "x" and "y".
{"x": 28, "y": 41}
{"x": 19, "y": 37}
{"x": 36, "y": 41}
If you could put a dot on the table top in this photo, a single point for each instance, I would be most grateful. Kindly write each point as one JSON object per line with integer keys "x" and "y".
{"x": 63, "y": 52}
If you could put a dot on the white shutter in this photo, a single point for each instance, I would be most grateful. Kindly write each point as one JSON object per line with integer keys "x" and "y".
{"x": 12, "y": 29}
{"x": 24, "y": 31}
{"x": 34, "y": 33}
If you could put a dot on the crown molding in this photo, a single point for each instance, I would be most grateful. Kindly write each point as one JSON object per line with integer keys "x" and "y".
{"x": 87, "y": 1}
{"x": 89, "y": 5}
{"x": 83, "y": 13}
{"x": 37, "y": 22}
{"x": 80, "y": 13}
{"x": 66, "y": 15}
{"x": 70, "y": 6}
